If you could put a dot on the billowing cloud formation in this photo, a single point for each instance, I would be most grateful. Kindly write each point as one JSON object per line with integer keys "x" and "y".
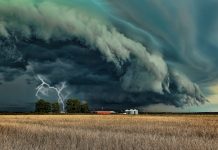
{"x": 71, "y": 41}
{"x": 185, "y": 31}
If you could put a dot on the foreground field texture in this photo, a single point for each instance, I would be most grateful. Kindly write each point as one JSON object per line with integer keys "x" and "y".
{"x": 116, "y": 132}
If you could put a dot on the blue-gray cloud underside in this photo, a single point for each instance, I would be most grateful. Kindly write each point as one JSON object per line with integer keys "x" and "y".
{"x": 113, "y": 53}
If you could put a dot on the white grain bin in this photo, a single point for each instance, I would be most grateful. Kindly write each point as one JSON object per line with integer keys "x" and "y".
{"x": 131, "y": 112}
{"x": 136, "y": 112}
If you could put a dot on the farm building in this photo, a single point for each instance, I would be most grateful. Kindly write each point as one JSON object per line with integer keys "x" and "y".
{"x": 104, "y": 112}
{"x": 132, "y": 112}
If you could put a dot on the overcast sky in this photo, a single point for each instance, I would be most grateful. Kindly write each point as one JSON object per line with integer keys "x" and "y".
{"x": 153, "y": 55}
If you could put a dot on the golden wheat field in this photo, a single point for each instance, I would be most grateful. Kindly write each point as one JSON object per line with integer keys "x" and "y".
{"x": 112, "y": 132}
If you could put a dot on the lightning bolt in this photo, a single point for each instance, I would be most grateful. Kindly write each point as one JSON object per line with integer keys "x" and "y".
{"x": 44, "y": 87}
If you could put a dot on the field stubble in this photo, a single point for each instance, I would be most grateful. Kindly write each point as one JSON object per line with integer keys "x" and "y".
{"x": 118, "y": 132}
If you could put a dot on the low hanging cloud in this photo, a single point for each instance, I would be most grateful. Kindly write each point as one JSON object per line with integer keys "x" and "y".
{"x": 67, "y": 42}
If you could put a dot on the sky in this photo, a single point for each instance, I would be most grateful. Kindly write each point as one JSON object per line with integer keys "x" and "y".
{"x": 152, "y": 55}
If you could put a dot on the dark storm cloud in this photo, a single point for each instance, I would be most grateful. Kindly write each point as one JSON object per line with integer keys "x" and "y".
{"x": 185, "y": 30}
{"x": 132, "y": 58}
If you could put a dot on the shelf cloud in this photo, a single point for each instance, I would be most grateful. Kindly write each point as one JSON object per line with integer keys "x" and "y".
{"x": 112, "y": 53}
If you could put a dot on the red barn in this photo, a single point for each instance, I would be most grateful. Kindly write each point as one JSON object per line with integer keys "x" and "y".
{"x": 104, "y": 112}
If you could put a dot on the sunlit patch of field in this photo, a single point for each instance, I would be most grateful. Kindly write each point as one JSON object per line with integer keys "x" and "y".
{"x": 118, "y": 132}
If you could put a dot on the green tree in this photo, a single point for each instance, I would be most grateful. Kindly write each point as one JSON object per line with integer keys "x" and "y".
{"x": 84, "y": 108}
{"x": 55, "y": 107}
{"x": 42, "y": 106}
{"x": 73, "y": 106}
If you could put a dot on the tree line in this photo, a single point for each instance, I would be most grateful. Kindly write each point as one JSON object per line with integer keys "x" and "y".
{"x": 72, "y": 106}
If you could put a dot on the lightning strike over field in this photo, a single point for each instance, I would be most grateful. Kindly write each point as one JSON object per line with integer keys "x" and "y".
{"x": 44, "y": 87}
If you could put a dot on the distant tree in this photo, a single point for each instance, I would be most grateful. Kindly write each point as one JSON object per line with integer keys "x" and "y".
{"x": 42, "y": 106}
{"x": 84, "y": 108}
{"x": 55, "y": 107}
{"x": 73, "y": 106}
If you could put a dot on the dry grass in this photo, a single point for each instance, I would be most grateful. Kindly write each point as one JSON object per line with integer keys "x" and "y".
{"x": 117, "y": 132}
